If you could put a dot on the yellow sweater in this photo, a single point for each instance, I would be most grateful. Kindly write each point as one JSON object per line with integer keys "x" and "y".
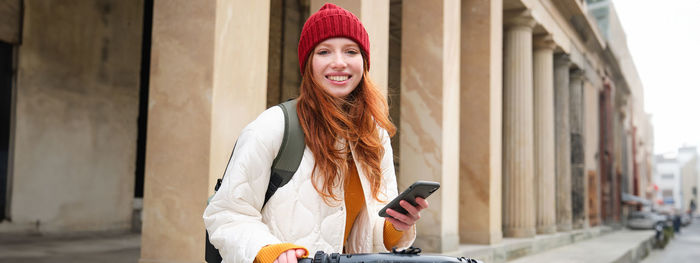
{"x": 354, "y": 199}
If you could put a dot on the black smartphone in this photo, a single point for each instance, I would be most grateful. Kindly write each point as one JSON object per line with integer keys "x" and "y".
{"x": 421, "y": 189}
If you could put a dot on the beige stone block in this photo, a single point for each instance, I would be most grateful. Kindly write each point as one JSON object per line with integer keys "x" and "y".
{"x": 430, "y": 115}
{"x": 208, "y": 80}
{"x": 239, "y": 76}
{"x": 481, "y": 121}
{"x": 179, "y": 117}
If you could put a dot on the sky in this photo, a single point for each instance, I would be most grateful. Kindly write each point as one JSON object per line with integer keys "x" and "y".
{"x": 664, "y": 40}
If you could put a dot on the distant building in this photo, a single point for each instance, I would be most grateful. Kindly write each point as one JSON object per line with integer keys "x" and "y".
{"x": 676, "y": 176}
{"x": 668, "y": 180}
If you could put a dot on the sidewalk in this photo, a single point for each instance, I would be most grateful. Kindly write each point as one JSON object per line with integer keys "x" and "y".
{"x": 620, "y": 247}
{"x": 597, "y": 244}
{"x": 104, "y": 248}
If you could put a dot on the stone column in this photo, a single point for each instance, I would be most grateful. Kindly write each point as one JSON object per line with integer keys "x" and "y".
{"x": 430, "y": 115}
{"x": 563, "y": 143}
{"x": 578, "y": 174}
{"x": 606, "y": 156}
{"x": 591, "y": 108}
{"x": 518, "y": 162}
{"x": 544, "y": 134}
{"x": 620, "y": 99}
{"x": 481, "y": 122}
{"x": 374, "y": 15}
{"x": 197, "y": 81}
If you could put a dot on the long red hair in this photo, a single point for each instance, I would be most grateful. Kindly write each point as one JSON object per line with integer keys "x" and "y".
{"x": 326, "y": 119}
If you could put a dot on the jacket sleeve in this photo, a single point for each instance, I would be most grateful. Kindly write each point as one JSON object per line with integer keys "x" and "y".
{"x": 233, "y": 216}
{"x": 390, "y": 188}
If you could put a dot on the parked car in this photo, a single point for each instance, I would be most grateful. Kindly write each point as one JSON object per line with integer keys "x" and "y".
{"x": 685, "y": 219}
{"x": 644, "y": 220}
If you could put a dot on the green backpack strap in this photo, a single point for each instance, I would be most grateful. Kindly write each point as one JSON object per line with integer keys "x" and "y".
{"x": 291, "y": 151}
{"x": 289, "y": 155}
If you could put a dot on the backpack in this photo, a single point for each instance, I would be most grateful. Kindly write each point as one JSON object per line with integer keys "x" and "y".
{"x": 283, "y": 167}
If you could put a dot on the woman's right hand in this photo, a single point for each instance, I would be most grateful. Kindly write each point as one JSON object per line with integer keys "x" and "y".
{"x": 290, "y": 256}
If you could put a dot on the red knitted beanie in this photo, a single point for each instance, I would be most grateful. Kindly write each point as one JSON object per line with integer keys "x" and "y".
{"x": 331, "y": 21}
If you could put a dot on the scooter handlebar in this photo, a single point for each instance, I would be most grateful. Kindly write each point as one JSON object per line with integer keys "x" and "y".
{"x": 321, "y": 257}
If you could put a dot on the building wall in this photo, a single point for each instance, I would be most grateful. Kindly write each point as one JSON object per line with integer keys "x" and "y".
{"x": 688, "y": 182}
{"x": 76, "y": 112}
{"x": 688, "y": 160}
{"x": 637, "y": 117}
{"x": 697, "y": 196}
{"x": 648, "y": 158}
{"x": 669, "y": 178}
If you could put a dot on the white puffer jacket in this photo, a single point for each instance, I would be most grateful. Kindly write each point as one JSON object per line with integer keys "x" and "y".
{"x": 296, "y": 213}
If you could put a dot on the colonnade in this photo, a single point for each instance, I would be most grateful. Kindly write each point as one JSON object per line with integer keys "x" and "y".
{"x": 544, "y": 182}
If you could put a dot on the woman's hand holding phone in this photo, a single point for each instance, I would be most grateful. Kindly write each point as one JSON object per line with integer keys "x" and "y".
{"x": 404, "y": 222}
{"x": 404, "y": 210}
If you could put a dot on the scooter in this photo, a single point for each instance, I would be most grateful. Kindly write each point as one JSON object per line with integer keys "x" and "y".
{"x": 410, "y": 255}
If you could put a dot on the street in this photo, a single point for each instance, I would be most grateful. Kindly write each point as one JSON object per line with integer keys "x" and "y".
{"x": 683, "y": 248}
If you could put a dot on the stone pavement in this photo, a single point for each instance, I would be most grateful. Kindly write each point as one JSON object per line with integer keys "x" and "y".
{"x": 596, "y": 244}
{"x": 103, "y": 248}
{"x": 620, "y": 247}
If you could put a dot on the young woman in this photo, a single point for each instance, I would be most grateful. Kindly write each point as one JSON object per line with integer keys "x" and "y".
{"x": 346, "y": 174}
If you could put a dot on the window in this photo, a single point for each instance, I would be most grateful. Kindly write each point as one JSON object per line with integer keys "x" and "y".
{"x": 667, "y": 193}
{"x": 667, "y": 176}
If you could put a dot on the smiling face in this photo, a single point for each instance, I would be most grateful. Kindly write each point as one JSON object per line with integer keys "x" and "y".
{"x": 337, "y": 66}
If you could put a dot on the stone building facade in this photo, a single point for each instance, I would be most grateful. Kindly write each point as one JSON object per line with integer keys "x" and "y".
{"x": 528, "y": 112}
{"x": 688, "y": 159}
